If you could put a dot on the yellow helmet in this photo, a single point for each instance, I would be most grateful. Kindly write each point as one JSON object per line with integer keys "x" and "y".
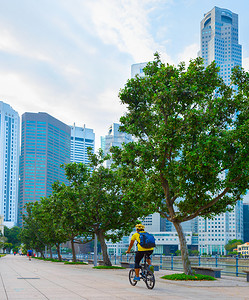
{"x": 140, "y": 226}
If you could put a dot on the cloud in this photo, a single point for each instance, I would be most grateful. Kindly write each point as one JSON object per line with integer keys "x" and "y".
{"x": 190, "y": 52}
{"x": 125, "y": 24}
{"x": 70, "y": 59}
{"x": 245, "y": 63}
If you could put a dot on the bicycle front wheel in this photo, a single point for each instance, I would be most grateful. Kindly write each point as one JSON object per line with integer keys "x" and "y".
{"x": 132, "y": 274}
{"x": 150, "y": 280}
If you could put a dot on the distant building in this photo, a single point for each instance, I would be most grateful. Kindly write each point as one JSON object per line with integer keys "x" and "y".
{"x": 138, "y": 69}
{"x": 119, "y": 247}
{"x": 243, "y": 249}
{"x": 9, "y": 163}
{"x": 82, "y": 138}
{"x": 246, "y": 221}
{"x": 219, "y": 41}
{"x": 2, "y": 224}
{"x": 115, "y": 137}
{"x": 45, "y": 147}
{"x": 166, "y": 243}
{"x": 215, "y": 233}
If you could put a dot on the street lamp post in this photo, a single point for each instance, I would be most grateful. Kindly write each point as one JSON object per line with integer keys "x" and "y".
{"x": 95, "y": 251}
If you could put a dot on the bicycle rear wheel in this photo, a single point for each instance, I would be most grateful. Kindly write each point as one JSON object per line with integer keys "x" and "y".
{"x": 132, "y": 274}
{"x": 150, "y": 280}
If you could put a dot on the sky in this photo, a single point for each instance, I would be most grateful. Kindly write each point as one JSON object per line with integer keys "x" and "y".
{"x": 70, "y": 58}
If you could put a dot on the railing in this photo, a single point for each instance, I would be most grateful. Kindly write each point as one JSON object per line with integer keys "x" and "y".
{"x": 230, "y": 266}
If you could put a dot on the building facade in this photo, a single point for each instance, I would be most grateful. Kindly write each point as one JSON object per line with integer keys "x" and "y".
{"x": 219, "y": 41}
{"x": 138, "y": 69}
{"x": 215, "y": 233}
{"x": 1, "y": 225}
{"x": 45, "y": 146}
{"x": 243, "y": 250}
{"x": 246, "y": 221}
{"x": 115, "y": 137}
{"x": 82, "y": 138}
{"x": 9, "y": 163}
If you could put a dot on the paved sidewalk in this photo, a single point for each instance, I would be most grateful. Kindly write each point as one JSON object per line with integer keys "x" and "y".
{"x": 24, "y": 279}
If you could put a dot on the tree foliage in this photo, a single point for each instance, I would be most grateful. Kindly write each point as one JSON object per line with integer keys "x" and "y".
{"x": 105, "y": 209}
{"x": 98, "y": 201}
{"x": 12, "y": 236}
{"x": 232, "y": 244}
{"x": 191, "y": 140}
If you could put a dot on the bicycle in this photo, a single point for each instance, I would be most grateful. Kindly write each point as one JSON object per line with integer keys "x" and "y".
{"x": 144, "y": 272}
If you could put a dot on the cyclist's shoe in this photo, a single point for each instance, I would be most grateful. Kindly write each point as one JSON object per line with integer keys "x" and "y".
{"x": 136, "y": 278}
{"x": 151, "y": 268}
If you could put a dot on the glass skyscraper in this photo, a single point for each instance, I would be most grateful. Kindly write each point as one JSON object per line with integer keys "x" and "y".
{"x": 115, "y": 137}
{"x": 81, "y": 139}
{"x": 45, "y": 147}
{"x": 9, "y": 163}
{"x": 219, "y": 42}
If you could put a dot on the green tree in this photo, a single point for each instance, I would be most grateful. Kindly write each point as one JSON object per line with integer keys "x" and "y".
{"x": 13, "y": 236}
{"x": 32, "y": 234}
{"x": 187, "y": 137}
{"x": 3, "y": 241}
{"x": 104, "y": 209}
{"x": 178, "y": 252}
{"x": 65, "y": 216}
{"x": 232, "y": 244}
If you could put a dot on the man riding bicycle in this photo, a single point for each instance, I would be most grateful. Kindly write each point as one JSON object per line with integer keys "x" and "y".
{"x": 141, "y": 251}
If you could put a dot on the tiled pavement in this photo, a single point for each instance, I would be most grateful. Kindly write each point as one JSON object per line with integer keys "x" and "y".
{"x": 35, "y": 279}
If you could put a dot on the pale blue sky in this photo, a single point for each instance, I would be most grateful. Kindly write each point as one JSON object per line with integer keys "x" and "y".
{"x": 69, "y": 58}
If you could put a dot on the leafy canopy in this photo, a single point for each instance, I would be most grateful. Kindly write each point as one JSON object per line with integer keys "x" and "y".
{"x": 191, "y": 137}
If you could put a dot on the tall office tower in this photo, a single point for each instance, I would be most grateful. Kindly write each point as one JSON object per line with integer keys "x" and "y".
{"x": 9, "y": 163}
{"x": 81, "y": 139}
{"x": 114, "y": 138}
{"x": 246, "y": 222}
{"x": 45, "y": 146}
{"x": 219, "y": 41}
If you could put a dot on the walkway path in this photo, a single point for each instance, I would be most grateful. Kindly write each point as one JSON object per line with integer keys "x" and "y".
{"x": 24, "y": 279}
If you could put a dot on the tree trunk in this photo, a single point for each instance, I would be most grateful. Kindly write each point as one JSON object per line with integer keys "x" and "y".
{"x": 50, "y": 251}
{"x": 73, "y": 251}
{"x": 184, "y": 249}
{"x": 101, "y": 239}
{"x": 58, "y": 252}
{"x": 42, "y": 253}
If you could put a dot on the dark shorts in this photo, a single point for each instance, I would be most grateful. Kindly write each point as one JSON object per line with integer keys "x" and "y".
{"x": 140, "y": 255}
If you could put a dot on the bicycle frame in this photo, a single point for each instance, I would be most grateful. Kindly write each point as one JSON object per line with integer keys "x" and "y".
{"x": 145, "y": 274}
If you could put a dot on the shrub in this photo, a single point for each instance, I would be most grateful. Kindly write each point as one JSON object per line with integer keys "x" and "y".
{"x": 183, "y": 276}
{"x": 108, "y": 267}
{"x": 74, "y": 263}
